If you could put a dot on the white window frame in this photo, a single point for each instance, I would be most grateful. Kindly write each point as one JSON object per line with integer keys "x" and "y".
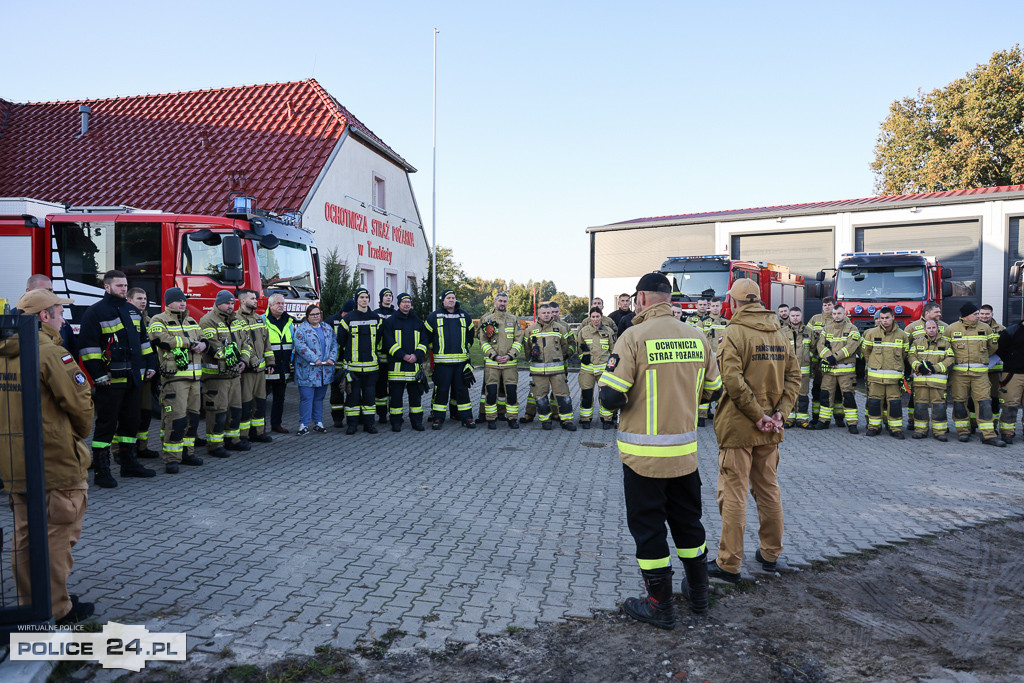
{"x": 378, "y": 191}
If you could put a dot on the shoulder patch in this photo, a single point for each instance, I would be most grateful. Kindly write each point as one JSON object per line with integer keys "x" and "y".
{"x": 79, "y": 378}
{"x": 67, "y": 359}
{"x": 612, "y": 362}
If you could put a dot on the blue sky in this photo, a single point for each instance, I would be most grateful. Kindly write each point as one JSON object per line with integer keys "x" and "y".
{"x": 552, "y": 116}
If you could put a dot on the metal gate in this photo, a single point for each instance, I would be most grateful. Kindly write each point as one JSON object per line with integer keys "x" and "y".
{"x": 805, "y": 253}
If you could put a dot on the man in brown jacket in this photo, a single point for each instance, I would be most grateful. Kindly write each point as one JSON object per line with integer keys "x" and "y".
{"x": 67, "y": 412}
{"x": 659, "y": 371}
{"x": 760, "y": 379}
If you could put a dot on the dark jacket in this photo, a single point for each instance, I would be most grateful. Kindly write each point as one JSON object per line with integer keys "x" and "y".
{"x": 451, "y": 335}
{"x": 282, "y": 336}
{"x": 404, "y": 333}
{"x": 114, "y": 342}
{"x": 359, "y": 341}
{"x": 1011, "y": 348}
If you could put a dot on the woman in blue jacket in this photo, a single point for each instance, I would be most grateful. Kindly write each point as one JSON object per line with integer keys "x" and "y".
{"x": 314, "y": 351}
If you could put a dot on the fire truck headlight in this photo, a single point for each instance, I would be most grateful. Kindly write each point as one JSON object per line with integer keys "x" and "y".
{"x": 899, "y": 310}
{"x": 858, "y": 309}
{"x": 871, "y": 310}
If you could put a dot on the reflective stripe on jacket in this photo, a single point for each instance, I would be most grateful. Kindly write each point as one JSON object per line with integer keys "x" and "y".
{"x": 885, "y": 354}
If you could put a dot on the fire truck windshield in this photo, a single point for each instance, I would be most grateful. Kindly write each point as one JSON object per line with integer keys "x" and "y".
{"x": 881, "y": 283}
{"x": 289, "y": 265}
{"x": 694, "y": 282}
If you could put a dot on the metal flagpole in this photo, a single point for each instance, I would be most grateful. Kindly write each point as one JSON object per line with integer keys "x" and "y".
{"x": 433, "y": 201}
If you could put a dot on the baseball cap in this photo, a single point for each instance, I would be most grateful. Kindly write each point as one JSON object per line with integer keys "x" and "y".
{"x": 654, "y": 282}
{"x": 745, "y": 291}
{"x": 37, "y": 300}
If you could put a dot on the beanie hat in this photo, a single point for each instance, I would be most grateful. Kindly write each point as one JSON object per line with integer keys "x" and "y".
{"x": 404, "y": 295}
{"x": 175, "y": 294}
{"x": 446, "y": 293}
{"x": 349, "y": 306}
{"x": 967, "y": 309}
{"x": 384, "y": 291}
{"x": 361, "y": 290}
{"x": 225, "y": 297}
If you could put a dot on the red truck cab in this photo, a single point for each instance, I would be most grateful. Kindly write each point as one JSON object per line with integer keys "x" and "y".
{"x": 866, "y": 281}
{"x": 697, "y": 277}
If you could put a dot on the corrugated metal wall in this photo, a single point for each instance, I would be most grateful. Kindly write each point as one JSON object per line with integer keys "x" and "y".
{"x": 629, "y": 253}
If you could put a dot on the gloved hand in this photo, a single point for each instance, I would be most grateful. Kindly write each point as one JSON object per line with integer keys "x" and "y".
{"x": 421, "y": 378}
{"x": 535, "y": 353}
{"x": 828, "y": 360}
{"x": 467, "y": 375}
{"x": 585, "y": 358}
{"x": 182, "y": 357}
{"x": 926, "y": 368}
{"x": 584, "y": 347}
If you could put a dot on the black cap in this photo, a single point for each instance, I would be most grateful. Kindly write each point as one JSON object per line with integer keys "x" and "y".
{"x": 349, "y": 306}
{"x": 967, "y": 309}
{"x": 654, "y": 282}
{"x": 173, "y": 294}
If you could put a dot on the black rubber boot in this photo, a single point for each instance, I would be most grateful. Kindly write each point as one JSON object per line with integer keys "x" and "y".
{"x": 695, "y": 583}
{"x": 256, "y": 437}
{"x": 130, "y": 467}
{"x": 368, "y": 424}
{"x": 353, "y": 426}
{"x": 569, "y": 426}
{"x": 513, "y": 423}
{"x": 101, "y": 462}
{"x": 655, "y": 607}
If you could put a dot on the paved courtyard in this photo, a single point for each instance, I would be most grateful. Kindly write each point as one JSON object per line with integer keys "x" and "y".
{"x": 450, "y": 535}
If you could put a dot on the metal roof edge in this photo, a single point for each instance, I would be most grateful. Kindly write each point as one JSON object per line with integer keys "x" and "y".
{"x": 382, "y": 149}
{"x": 873, "y": 204}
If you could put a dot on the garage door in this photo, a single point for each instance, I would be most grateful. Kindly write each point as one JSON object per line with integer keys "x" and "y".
{"x": 956, "y": 245}
{"x": 804, "y": 252}
{"x": 1014, "y": 302}
{"x": 631, "y": 253}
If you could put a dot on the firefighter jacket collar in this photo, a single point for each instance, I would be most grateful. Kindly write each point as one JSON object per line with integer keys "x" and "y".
{"x": 659, "y": 309}
{"x": 755, "y": 316}
{"x": 228, "y": 317}
{"x": 180, "y": 317}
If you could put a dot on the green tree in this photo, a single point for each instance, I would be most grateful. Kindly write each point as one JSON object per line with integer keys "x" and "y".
{"x": 967, "y": 134}
{"x": 337, "y": 284}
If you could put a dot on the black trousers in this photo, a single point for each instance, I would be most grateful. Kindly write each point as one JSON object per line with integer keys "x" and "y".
{"x": 397, "y": 390}
{"x": 362, "y": 394}
{"x": 117, "y": 412}
{"x": 651, "y": 503}
{"x": 276, "y": 389}
{"x": 448, "y": 381}
{"x": 382, "y": 389}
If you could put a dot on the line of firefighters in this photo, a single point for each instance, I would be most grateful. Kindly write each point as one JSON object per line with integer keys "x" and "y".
{"x": 975, "y": 358}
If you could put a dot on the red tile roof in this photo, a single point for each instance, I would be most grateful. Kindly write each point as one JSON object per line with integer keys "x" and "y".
{"x": 837, "y": 204}
{"x": 180, "y": 152}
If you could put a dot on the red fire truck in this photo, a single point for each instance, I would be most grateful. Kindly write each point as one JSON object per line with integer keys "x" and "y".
{"x": 696, "y": 277}
{"x": 200, "y": 254}
{"x": 905, "y": 281}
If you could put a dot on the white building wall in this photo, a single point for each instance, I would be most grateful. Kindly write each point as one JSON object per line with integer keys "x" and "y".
{"x": 379, "y": 242}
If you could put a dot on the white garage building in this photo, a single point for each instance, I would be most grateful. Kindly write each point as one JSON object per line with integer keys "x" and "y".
{"x": 976, "y": 233}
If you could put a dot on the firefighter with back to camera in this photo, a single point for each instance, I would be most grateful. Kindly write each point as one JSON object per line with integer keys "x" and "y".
{"x": 119, "y": 359}
{"x": 659, "y": 371}
{"x": 179, "y": 344}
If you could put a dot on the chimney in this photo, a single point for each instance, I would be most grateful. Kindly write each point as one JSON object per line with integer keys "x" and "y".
{"x": 84, "y": 112}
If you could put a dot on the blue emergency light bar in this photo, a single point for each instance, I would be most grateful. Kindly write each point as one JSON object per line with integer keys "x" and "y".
{"x": 690, "y": 258}
{"x": 883, "y": 253}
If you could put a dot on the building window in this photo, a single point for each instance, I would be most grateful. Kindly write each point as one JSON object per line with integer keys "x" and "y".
{"x": 410, "y": 282}
{"x": 378, "y": 199}
{"x": 366, "y": 279}
{"x": 391, "y": 280}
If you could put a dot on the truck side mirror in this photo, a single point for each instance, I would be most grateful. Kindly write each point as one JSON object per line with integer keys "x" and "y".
{"x": 231, "y": 251}
{"x": 1015, "y": 273}
{"x": 1014, "y": 289}
{"x": 232, "y": 276}
{"x": 947, "y": 289}
{"x": 814, "y": 290}
{"x": 945, "y": 273}
{"x": 820, "y": 277}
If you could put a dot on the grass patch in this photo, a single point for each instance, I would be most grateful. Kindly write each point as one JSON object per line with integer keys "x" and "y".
{"x": 512, "y": 630}
{"x": 241, "y": 672}
{"x": 378, "y": 647}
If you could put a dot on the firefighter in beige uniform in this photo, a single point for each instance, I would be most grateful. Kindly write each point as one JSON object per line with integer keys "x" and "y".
{"x": 974, "y": 343}
{"x": 501, "y": 339}
{"x": 253, "y": 426}
{"x": 837, "y": 348}
{"x": 816, "y": 325}
{"x": 1011, "y": 385}
{"x": 915, "y": 330}
{"x": 995, "y": 371}
{"x": 226, "y": 356}
{"x": 595, "y": 340}
{"x": 179, "y": 344}
{"x": 659, "y": 372}
{"x": 931, "y": 357}
{"x": 549, "y": 345}
{"x": 799, "y": 337}
{"x": 760, "y": 380}
{"x": 885, "y": 348}
{"x": 712, "y": 324}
